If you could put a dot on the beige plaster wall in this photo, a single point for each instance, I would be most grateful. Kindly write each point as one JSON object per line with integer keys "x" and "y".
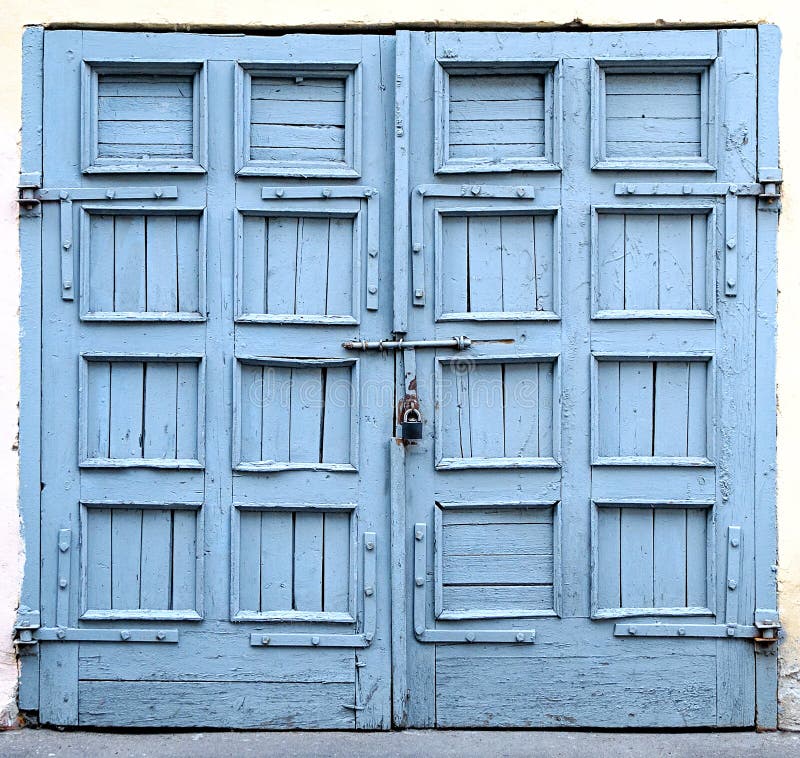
{"x": 257, "y": 15}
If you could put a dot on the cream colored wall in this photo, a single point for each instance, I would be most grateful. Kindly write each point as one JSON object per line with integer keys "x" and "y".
{"x": 270, "y": 14}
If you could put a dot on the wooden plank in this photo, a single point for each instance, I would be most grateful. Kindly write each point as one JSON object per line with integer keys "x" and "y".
{"x": 241, "y": 663}
{"x": 636, "y": 557}
{"x": 669, "y": 557}
{"x": 250, "y": 414}
{"x": 496, "y": 87}
{"x": 143, "y": 108}
{"x": 652, "y": 149}
{"x": 497, "y": 152}
{"x": 308, "y": 541}
{"x": 658, "y": 129}
{"x": 335, "y": 431}
{"x": 100, "y": 257}
{"x": 276, "y": 413}
{"x": 697, "y": 444}
{"x": 671, "y": 408}
{"x": 529, "y": 131}
{"x": 641, "y": 261}
{"x": 521, "y": 108}
{"x": 608, "y": 408}
{"x": 127, "y": 398}
{"x": 697, "y": 558}
{"x": 611, "y": 261}
{"x": 130, "y": 291}
{"x": 164, "y": 133}
{"x": 487, "y": 597}
{"x": 161, "y": 263}
{"x": 98, "y": 405}
{"x": 253, "y": 275}
{"x": 189, "y": 279}
{"x": 184, "y": 560}
{"x": 155, "y": 591}
{"x": 518, "y": 266}
{"x": 160, "y": 417}
{"x": 278, "y": 135}
{"x": 512, "y": 569}
{"x": 250, "y": 560}
{"x": 486, "y": 410}
{"x": 675, "y": 261}
{"x": 336, "y": 562}
{"x": 527, "y": 539}
{"x": 684, "y": 698}
{"x": 484, "y": 264}
{"x": 194, "y": 704}
{"x": 339, "y": 275}
{"x": 545, "y": 261}
{"x": 312, "y": 266}
{"x": 547, "y": 419}
{"x": 699, "y": 261}
{"x": 308, "y": 91}
{"x": 138, "y": 86}
{"x": 277, "y": 560}
{"x": 487, "y": 514}
{"x": 282, "y": 264}
{"x": 655, "y": 86}
{"x": 638, "y": 106}
{"x": 187, "y": 410}
{"x": 298, "y": 112}
{"x": 521, "y": 410}
{"x": 126, "y": 552}
{"x": 636, "y": 408}
{"x": 454, "y": 266}
{"x": 608, "y": 568}
{"x": 305, "y": 415}
{"x": 98, "y": 556}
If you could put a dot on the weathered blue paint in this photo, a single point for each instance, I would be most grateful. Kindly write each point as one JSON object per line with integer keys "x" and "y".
{"x": 584, "y": 207}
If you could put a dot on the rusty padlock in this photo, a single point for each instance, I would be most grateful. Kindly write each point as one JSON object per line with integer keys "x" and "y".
{"x": 412, "y": 424}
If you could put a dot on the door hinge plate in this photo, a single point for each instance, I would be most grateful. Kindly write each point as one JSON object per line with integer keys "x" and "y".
{"x": 28, "y": 621}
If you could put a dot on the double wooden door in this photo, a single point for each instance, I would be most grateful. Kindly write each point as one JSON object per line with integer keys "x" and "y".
{"x": 554, "y": 237}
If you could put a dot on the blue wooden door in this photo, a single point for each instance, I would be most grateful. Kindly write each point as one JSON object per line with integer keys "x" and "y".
{"x": 579, "y": 525}
{"x": 214, "y": 519}
{"x": 551, "y": 241}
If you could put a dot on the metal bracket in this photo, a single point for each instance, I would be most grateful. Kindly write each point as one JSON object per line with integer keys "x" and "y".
{"x": 452, "y": 636}
{"x": 80, "y": 634}
{"x": 28, "y": 185}
{"x": 370, "y": 194}
{"x": 771, "y": 181}
{"x": 476, "y": 191}
{"x": 28, "y": 621}
{"x": 358, "y": 640}
{"x": 31, "y": 194}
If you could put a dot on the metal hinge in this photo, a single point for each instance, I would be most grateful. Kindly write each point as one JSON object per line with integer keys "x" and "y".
{"x": 28, "y": 622}
{"x": 771, "y": 181}
{"x": 28, "y": 186}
